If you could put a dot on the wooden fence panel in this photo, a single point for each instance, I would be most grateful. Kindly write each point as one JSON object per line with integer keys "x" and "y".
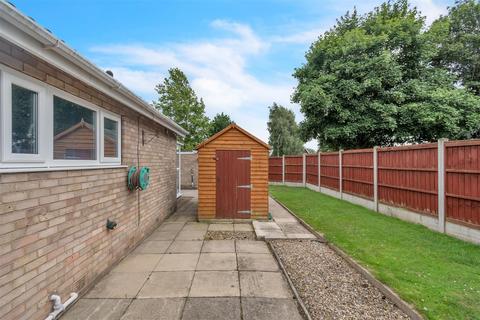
{"x": 294, "y": 169}
{"x": 357, "y": 172}
{"x": 462, "y": 182}
{"x": 275, "y": 169}
{"x": 311, "y": 161}
{"x": 329, "y": 172}
{"x": 408, "y": 177}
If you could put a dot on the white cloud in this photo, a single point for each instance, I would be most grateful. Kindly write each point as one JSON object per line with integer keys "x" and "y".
{"x": 430, "y": 9}
{"x": 303, "y": 37}
{"x": 217, "y": 70}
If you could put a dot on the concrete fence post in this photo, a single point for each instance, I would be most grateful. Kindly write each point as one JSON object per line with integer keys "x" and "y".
{"x": 319, "y": 172}
{"x": 375, "y": 178}
{"x": 441, "y": 185}
{"x": 340, "y": 173}
{"x": 283, "y": 169}
{"x": 304, "y": 172}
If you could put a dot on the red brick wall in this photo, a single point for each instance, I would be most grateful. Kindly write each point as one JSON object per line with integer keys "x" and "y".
{"x": 52, "y": 224}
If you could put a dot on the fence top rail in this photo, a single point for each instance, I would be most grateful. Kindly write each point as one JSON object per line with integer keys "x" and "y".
{"x": 409, "y": 147}
{"x": 275, "y": 157}
{"x": 294, "y": 156}
{"x": 330, "y": 153}
{"x": 459, "y": 143}
{"x": 367, "y": 150}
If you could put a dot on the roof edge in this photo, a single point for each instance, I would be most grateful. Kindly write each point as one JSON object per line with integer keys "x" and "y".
{"x": 231, "y": 126}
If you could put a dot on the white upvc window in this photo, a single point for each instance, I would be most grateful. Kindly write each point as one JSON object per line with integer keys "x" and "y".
{"x": 44, "y": 127}
{"x": 23, "y": 121}
{"x": 110, "y": 144}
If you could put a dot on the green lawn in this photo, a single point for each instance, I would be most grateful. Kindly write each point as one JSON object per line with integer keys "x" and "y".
{"x": 438, "y": 274}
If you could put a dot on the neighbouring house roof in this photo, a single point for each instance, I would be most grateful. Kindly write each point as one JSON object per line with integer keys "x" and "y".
{"x": 230, "y": 127}
{"x": 24, "y": 32}
{"x": 79, "y": 125}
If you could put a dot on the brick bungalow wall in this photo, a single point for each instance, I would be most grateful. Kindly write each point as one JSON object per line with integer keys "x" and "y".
{"x": 189, "y": 166}
{"x": 52, "y": 224}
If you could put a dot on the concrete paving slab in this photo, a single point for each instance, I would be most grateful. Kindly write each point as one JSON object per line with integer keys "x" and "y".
{"x": 242, "y": 227}
{"x": 119, "y": 285}
{"x": 101, "y": 309}
{"x": 163, "y": 235}
{"x": 265, "y": 225}
{"x": 215, "y": 284}
{"x": 195, "y": 226}
{"x": 270, "y": 234}
{"x": 300, "y": 236}
{"x": 167, "y": 285}
{"x": 212, "y": 308}
{"x": 221, "y": 227}
{"x": 181, "y": 218}
{"x": 178, "y": 262}
{"x": 171, "y": 226}
{"x": 217, "y": 261}
{"x": 257, "y": 262}
{"x": 138, "y": 263}
{"x": 191, "y": 235}
{"x": 154, "y": 246}
{"x": 248, "y": 246}
{"x": 264, "y": 285}
{"x": 219, "y": 246}
{"x": 155, "y": 309}
{"x": 285, "y": 220}
{"x": 293, "y": 228}
{"x": 269, "y": 309}
{"x": 185, "y": 246}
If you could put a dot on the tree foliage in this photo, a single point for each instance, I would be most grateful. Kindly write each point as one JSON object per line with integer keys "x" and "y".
{"x": 370, "y": 80}
{"x": 178, "y": 101}
{"x": 457, "y": 39}
{"x": 219, "y": 122}
{"x": 284, "y": 132}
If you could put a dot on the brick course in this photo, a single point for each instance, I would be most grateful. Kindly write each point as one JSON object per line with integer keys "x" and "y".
{"x": 52, "y": 224}
{"x": 189, "y": 165}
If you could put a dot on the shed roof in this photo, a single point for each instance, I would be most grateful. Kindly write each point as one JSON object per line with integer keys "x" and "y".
{"x": 228, "y": 128}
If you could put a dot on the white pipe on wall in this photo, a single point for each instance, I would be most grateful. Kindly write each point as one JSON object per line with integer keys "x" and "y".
{"x": 58, "y": 307}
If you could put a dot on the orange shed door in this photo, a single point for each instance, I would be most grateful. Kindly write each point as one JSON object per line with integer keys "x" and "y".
{"x": 233, "y": 184}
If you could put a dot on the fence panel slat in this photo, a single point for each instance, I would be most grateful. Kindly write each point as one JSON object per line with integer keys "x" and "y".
{"x": 357, "y": 172}
{"x": 407, "y": 177}
{"x": 294, "y": 169}
{"x": 329, "y": 172}
{"x": 312, "y": 169}
{"x": 275, "y": 169}
{"x": 462, "y": 181}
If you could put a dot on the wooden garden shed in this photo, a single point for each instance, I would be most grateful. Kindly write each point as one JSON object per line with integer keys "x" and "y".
{"x": 233, "y": 176}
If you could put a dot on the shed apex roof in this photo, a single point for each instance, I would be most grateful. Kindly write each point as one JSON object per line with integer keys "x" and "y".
{"x": 228, "y": 128}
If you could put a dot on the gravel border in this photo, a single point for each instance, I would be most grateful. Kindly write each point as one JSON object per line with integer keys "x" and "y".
{"x": 230, "y": 235}
{"x": 328, "y": 286}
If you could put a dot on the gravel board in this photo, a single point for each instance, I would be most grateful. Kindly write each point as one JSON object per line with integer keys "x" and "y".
{"x": 329, "y": 286}
{"x": 230, "y": 235}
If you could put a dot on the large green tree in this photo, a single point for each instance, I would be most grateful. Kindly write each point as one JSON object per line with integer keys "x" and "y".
{"x": 284, "y": 133}
{"x": 219, "y": 122}
{"x": 178, "y": 101}
{"x": 456, "y": 38}
{"x": 369, "y": 81}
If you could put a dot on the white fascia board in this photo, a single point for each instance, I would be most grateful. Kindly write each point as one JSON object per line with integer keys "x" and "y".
{"x": 25, "y": 33}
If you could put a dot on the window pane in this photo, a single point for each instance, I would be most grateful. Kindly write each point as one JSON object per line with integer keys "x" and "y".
{"x": 24, "y": 120}
{"x": 110, "y": 138}
{"x": 74, "y": 131}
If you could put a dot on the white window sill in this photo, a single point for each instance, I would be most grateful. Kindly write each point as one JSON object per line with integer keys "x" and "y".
{"x": 60, "y": 168}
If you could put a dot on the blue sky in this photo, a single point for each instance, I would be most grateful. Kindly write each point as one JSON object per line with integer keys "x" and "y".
{"x": 238, "y": 55}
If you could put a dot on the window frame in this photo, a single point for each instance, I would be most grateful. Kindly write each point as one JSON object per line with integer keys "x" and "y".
{"x": 111, "y": 116}
{"x": 7, "y": 80}
{"x": 44, "y": 159}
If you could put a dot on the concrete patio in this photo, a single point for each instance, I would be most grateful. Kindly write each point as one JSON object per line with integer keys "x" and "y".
{"x": 176, "y": 274}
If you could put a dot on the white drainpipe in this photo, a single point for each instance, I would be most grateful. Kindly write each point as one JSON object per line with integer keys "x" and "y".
{"x": 58, "y": 306}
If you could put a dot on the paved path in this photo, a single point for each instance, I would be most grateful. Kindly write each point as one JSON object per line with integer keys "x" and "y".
{"x": 175, "y": 274}
{"x": 282, "y": 226}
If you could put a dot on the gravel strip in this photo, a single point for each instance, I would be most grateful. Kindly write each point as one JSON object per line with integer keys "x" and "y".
{"x": 329, "y": 286}
{"x": 230, "y": 235}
